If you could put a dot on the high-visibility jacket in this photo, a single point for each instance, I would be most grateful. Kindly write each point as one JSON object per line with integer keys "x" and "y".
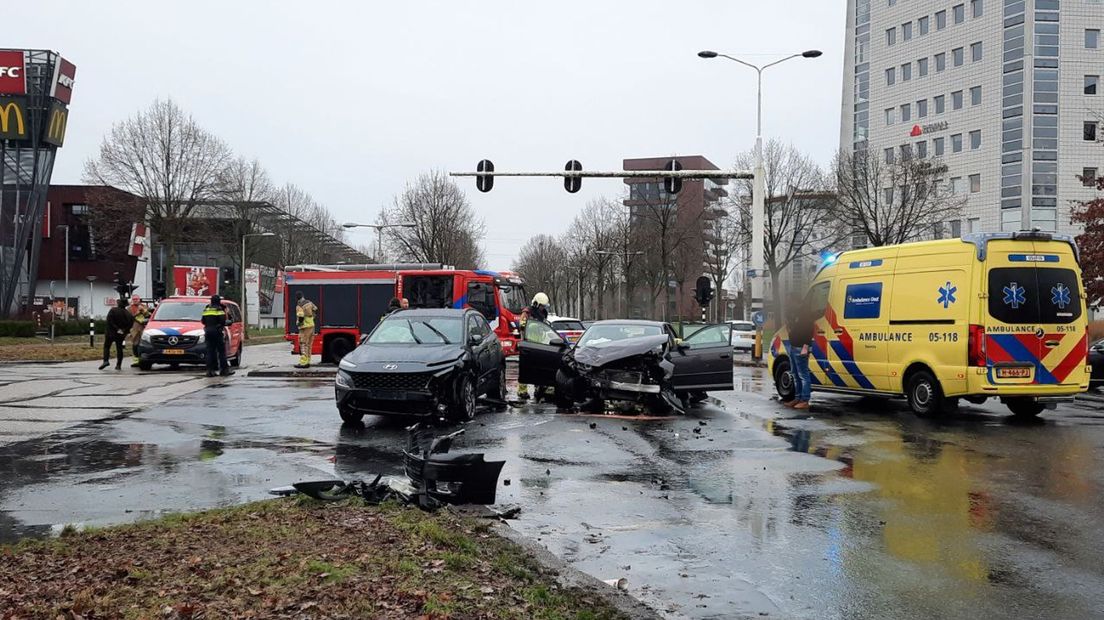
{"x": 304, "y": 312}
{"x": 214, "y": 319}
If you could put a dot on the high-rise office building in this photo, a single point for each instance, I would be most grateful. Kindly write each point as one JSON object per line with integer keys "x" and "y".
{"x": 1006, "y": 93}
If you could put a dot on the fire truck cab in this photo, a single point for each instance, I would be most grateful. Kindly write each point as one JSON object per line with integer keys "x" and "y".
{"x": 351, "y": 299}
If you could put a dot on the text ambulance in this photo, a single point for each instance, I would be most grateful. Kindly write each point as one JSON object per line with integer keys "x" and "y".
{"x": 989, "y": 315}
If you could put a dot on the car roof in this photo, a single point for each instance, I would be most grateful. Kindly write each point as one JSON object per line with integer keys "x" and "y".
{"x": 429, "y": 312}
{"x": 641, "y": 322}
{"x": 562, "y": 318}
{"x": 195, "y": 298}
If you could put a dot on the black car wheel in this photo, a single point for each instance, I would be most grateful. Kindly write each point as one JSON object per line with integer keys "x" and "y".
{"x": 339, "y": 347}
{"x": 498, "y": 390}
{"x": 236, "y": 362}
{"x": 350, "y": 417}
{"x": 783, "y": 380}
{"x": 463, "y": 407}
{"x": 144, "y": 365}
{"x": 924, "y": 394}
{"x": 1024, "y": 408}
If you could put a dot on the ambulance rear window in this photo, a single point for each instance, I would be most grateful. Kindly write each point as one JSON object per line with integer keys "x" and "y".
{"x": 1030, "y": 295}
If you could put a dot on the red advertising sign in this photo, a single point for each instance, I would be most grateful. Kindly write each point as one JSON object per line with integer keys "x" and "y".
{"x": 195, "y": 281}
{"x": 279, "y": 282}
{"x": 65, "y": 74}
{"x": 138, "y": 240}
{"x": 13, "y": 76}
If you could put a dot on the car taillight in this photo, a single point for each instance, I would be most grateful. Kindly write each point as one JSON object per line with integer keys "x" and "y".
{"x": 976, "y": 344}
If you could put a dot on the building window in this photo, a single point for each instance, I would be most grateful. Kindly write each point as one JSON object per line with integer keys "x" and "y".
{"x": 922, "y": 25}
{"x": 906, "y": 31}
{"x": 891, "y": 76}
{"x": 940, "y": 103}
{"x": 1088, "y": 177}
{"x": 956, "y": 100}
{"x": 891, "y": 115}
{"x": 956, "y": 229}
{"x": 972, "y": 224}
{"x": 975, "y": 184}
{"x": 940, "y": 61}
{"x": 958, "y": 56}
{"x": 956, "y": 143}
{"x": 922, "y": 149}
{"x": 891, "y": 36}
{"x": 976, "y": 9}
{"x": 959, "y": 13}
{"x": 921, "y": 108}
{"x": 1091, "y": 83}
{"x": 957, "y": 186}
{"x": 888, "y": 195}
{"x": 906, "y": 112}
{"x": 941, "y": 20}
{"x": 1088, "y": 133}
{"x": 889, "y": 155}
{"x": 906, "y": 72}
{"x": 922, "y": 67}
{"x": 975, "y": 51}
{"x": 1092, "y": 39}
{"x": 906, "y": 152}
{"x": 975, "y": 139}
{"x": 937, "y": 147}
{"x": 975, "y": 95}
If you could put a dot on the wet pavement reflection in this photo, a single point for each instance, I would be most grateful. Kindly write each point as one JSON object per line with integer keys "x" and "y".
{"x": 738, "y": 509}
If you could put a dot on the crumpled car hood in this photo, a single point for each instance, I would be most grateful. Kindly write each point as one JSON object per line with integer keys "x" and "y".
{"x": 617, "y": 350}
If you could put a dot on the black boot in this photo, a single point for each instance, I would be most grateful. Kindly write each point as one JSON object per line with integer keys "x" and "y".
{"x": 226, "y": 372}
{"x": 211, "y": 373}
{"x": 104, "y": 365}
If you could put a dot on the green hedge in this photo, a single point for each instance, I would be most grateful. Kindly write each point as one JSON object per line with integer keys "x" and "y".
{"x": 17, "y": 329}
{"x": 26, "y": 329}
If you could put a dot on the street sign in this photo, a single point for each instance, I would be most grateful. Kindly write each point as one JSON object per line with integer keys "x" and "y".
{"x": 572, "y": 184}
{"x": 758, "y": 319}
{"x": 485, "y": 182}
{"x": 673, "y": 185}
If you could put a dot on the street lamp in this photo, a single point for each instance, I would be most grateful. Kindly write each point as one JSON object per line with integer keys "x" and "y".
{"x": 66, "y": 227}
{"x": 758, "y": 200}
{"x": 379, "y": 233}
{"x": 91, "y": 320}
{"x": 244, "y": 301}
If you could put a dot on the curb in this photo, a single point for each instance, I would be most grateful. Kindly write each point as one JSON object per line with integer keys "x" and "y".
{"x": 569, "y": 576}
{"x": 291, "y": 373}
{"x": 749, "y": 364}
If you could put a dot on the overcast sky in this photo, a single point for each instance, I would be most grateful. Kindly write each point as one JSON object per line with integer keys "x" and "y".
{"x": 350, "y": 100}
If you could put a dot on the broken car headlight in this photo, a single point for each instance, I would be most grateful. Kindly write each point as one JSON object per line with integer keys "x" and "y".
{"x": 343, "y": 380}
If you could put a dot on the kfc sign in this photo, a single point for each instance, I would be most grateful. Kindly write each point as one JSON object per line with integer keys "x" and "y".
{"x": 13, "y": 75}
{"x": 65, "y": 73}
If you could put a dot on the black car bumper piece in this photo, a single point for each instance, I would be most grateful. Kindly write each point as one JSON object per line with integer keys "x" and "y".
{"x": 424, "y": 394}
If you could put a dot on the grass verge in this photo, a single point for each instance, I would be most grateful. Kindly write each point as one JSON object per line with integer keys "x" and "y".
{"x": 287, "y": 558}
{"x": 76, "y": 349}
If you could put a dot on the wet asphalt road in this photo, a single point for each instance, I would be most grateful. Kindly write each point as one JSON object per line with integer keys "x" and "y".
{"x": 735, "y": 510}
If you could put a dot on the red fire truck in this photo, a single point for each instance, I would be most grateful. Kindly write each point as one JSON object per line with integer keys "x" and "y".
{"x": 351, "y": 299}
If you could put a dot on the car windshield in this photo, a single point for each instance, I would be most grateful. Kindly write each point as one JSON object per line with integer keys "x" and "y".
{"x": 599, "y": 335}
{"x": 513, "y": 297}
{"x": 180, "y": 311}
{"x": 399, "y": 329}
{"x": 567, "y": 325}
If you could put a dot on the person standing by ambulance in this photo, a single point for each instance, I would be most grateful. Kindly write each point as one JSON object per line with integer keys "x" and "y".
{"x": 800, "y": 326}
{"x": 304, "y": 318}
{"x": 141, "y": 315}
{"x": 214, "y": 326}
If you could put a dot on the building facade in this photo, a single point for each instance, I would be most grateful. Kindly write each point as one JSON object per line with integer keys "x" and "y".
{"x": 1006, "y": 93}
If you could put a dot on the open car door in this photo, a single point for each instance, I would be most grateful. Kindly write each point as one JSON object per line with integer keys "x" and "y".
{"x": 703, "y": 361}
{"x": 540, "y": 354}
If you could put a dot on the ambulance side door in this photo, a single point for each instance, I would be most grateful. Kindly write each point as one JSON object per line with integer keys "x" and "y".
{"x": 859, "y": 349}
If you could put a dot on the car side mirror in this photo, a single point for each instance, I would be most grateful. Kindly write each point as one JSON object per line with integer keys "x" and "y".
{"x": 556, "y": 342}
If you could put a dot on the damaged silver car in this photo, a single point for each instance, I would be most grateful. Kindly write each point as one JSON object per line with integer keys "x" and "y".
{"x": 627, "y": 361}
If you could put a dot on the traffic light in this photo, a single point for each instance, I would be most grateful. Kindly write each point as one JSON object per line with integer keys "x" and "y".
{"x": 572, "y": 184}
{"x": 703, "y": 290}
{"x": 484, "y": 182}
{"x": 672, "y": 184}
{"x": 227, "y": 275}
{"x": 159, "y": 289}
{"x": 122, "y": 287}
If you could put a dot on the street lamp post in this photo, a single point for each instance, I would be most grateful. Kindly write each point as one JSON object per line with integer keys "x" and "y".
{"x": 758, "y": 199}
{"x": 379, "y": 233}
{"x": 91, "y": 319}
{"x": 244, "y": 300}
{"x": 66, "y": 227}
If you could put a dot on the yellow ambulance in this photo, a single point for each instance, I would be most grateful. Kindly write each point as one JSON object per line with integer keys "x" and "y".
{"x": 990, "y": 315}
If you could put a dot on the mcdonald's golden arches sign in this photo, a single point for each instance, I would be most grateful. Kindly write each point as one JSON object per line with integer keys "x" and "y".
{"x": 57, "y": 117}
{"x": 15, "y": 124}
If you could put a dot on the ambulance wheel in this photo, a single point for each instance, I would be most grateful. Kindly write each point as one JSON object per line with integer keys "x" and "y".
{"x": 924, "y": 394}
{"x": 236, "y": 362}
{"x": 1024, "y": 408}
{"x": 783, "y": 380}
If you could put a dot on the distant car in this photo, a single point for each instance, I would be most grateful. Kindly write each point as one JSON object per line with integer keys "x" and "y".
{"x": 1096, "y": 360}
{"x": 174, "y": 334}
{"x": 627, "y": 360}
{"x": 427, "y": 363}
{"x": 569, "y": 329}
{"x": 743, "y": 335}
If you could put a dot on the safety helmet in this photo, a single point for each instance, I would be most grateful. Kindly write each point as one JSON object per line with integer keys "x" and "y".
{"x": 540, "y": 299}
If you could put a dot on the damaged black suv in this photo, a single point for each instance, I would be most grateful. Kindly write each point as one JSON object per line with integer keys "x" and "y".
{"x": 628, "y": 361}
{"x": 426, "y": 363}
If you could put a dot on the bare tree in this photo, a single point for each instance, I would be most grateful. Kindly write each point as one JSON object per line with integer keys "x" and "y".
{"x": 166, "y": 158}
{"x": 587, "y": 241}
{"x": 299, "y": 205}
{"x": 796, "y": 209}
{"x": 902, "y": 200}
{"x": 667, "y": 227}
{"x": 541, "y": 265}
{"x": 446, "y": 228}
{"x": 725, "y": 239}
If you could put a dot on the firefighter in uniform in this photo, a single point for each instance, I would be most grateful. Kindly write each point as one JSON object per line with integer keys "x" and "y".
{"x": 141, "y": 314}
{"x": 304, "y": 317}
{"x": 214, "y": 324}
{"x": 537, "y": 310}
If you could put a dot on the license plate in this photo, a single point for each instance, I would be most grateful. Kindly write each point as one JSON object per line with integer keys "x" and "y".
{"x": 1013, "y": 373}
{"x": 173, "y": 351}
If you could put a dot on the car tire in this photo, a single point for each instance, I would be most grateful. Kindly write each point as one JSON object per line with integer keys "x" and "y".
{"x": 1024, "y": 408}
{"x": 924, "y": 394}
{"x": 462, "y": 409}
{"x": 698, "y": 397}
{"x": 236, "y": 362}
{"x": 338, "y": 347}
{"x": 498, "y": 390}
{"x": 350, "y": 417}
{"x": 144, "y": 365}
{"x": 783, "y": 380}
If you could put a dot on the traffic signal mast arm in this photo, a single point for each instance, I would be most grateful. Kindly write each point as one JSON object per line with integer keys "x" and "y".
{"x": 618, "y": 174}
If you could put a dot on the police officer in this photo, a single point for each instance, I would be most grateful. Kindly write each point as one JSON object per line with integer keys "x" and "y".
{"x": 304, "y": 317}
{"x": 214, "y": 324}
{"x": 141, "y": 314}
